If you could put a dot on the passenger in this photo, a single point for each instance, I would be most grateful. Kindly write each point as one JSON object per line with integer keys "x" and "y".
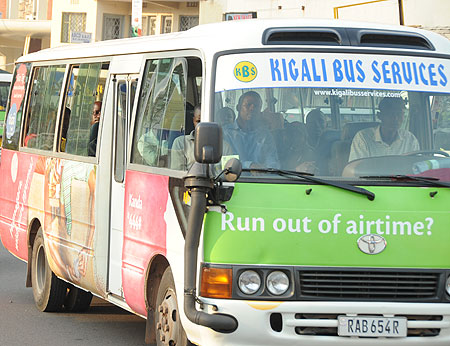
{"x": 93, "y": 132}
{"x": 315, "y": 125}
{"x": 272, "y": 121}
{"x": 225, "y": 116}
{"x": 387, "y": 138}
{"x": 246, "y": 136}
{"x": 65, "y": 128}
{"x": 294, "y": 152}
{"x": 150, "y": 148}
{"x": 182, "y": 153}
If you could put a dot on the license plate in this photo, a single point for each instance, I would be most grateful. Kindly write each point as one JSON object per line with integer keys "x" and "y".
{"x": 372, "y": 326}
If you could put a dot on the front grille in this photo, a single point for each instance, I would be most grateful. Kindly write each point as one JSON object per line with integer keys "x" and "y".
{"x": 369, "y": 284}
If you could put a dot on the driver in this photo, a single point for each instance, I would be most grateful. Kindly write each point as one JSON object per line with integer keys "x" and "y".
{"x": 387, "y": 138}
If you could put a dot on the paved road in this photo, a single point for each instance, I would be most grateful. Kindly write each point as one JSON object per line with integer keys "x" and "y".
{"x": 22, "y": 324}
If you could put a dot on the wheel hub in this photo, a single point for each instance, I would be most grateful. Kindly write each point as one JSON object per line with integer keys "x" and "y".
{"x": 41, "y": 269}
{"x": 168, "y": 319}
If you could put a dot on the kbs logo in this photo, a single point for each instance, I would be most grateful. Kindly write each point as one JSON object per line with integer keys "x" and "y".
{"x": 245, "y": 71}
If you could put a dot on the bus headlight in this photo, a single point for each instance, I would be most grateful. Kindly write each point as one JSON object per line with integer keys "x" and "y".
{"x": 447, "y": 285}
{"x": 277, "y": 282}
{"x": 249, "y": 282}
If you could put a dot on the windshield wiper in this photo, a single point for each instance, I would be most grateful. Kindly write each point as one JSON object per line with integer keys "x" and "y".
{"x": 403, "y": 177}
{"x": 310, "y": 177}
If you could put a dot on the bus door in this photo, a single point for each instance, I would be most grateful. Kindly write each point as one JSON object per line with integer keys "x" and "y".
{"x": 124, "y": 88}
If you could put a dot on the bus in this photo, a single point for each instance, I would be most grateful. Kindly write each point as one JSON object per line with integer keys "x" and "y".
{"x": 257, "y": 182}
{"x": 5, "y": 80}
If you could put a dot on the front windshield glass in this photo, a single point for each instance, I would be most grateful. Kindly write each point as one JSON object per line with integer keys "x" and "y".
{"x": 336, "y": 117}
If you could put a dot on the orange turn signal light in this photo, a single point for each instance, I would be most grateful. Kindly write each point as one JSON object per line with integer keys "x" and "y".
{"x": 216, "y": 282}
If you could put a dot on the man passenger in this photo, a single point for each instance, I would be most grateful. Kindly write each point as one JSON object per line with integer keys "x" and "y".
{"x": 93, "y": 132}
{"x": 387, "y": 138}
{"x": 182, "y": 153}
{"x": 315, "y": 125}
{"x": 248, "y": 138}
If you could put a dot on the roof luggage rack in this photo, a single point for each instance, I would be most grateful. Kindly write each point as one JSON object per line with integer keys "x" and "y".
{"x": 346, "y": 37}
{"x": 393, "y": 39}
{"x": 307, "y": 36}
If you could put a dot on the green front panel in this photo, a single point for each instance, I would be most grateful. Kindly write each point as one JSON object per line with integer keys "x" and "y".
{"x": 2, "y": 122}
{"x": 280, "y": 224}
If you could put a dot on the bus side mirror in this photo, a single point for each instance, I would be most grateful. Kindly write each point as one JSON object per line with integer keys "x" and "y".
{"x": 208, "y": 143}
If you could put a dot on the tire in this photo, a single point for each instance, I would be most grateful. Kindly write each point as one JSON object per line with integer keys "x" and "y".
{"x": 77, "y": 299}
{"x": 169, "y": 330}
{"x": 48, "y": 291}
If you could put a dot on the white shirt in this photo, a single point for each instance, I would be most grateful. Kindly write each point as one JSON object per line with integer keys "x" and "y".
{"x": 368, "y": 143}
{"x": 150, "y": 148}
{"x": 182, "y": 153}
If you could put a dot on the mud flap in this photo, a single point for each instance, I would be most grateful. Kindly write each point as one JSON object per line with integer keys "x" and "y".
{"x": 150, "y": 332}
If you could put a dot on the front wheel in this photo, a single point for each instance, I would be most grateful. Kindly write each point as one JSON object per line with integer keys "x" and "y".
{"x": 48, "y": 291}
{"x": 169, "y": 330}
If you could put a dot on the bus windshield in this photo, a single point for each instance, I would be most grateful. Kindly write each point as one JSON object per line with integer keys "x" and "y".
{"x": 295, "y": 116}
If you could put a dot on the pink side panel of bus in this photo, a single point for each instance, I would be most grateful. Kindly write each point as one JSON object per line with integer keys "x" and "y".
{"x": 16, "y": 172}
{"x": 60, "y": 194}
{"x": 146, "y": 197}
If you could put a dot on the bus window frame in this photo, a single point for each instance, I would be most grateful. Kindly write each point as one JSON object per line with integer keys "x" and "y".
{"x": 107, "y": 80}
{"x": 27, "y": 106}
{"x": 327, "y": 49}
{"x": 413, "y": 53}
{"x": 120, "y": 167}
{"x": 184, "y": 53}
{"x": 24, "y": 102}
{"x": 55, "y": 152}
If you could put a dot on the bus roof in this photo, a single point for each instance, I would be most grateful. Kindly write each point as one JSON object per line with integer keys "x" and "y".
{"x": 256, "y": 33}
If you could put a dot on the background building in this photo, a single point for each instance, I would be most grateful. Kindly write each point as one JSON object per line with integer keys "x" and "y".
{"x": 106, "y": 20}
{"x": 24, "y": 28}
{"x": 30, "y": 25}
{"x": 428, "y": 14}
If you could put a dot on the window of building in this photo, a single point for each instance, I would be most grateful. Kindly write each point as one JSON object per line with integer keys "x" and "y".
{"x": 72, "y": 22}
{"x": 149, "y": 25}
{"x": 152, "y": 25}
{"x": 26, "y": 9}
{"x": 166, "y": 24}
{"x": 86, "y": 87}
{"x": 43, "y": 107}
{"x": 112, "y": 27}
{"x": 187, "y": 22}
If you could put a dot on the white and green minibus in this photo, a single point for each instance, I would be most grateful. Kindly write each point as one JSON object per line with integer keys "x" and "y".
{"x": 255, "y": 182}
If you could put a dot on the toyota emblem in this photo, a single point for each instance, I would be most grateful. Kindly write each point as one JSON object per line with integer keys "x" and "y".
{"x": 371, "y": 244}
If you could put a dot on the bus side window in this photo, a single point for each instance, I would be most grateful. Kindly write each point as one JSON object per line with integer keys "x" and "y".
{"x": 43, "y": 106}
{"x": 182, "y": 142}
{"x": 121, "y": 127}
{"x": 86, "y": 88}
{"x": 440, "y": 117}
{"x": 161, "y": 111}
{"x": 15, "y": 108}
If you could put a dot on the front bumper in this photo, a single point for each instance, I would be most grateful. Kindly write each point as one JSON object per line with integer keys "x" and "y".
{"x": 315, "y": 323}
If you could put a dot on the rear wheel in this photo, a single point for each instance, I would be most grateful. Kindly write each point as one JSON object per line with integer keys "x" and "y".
{"x": 77, "y": 299}
{"x": 169, "y": 330}
{"x": 48, "y": 291}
